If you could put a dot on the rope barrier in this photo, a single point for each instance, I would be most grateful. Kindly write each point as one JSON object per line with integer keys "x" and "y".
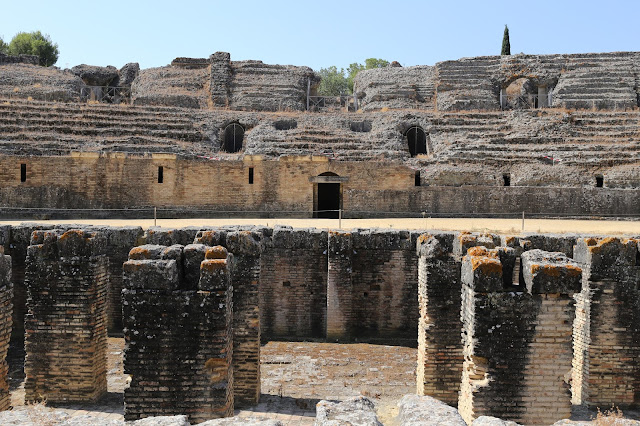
{"x": 345, "y": 214}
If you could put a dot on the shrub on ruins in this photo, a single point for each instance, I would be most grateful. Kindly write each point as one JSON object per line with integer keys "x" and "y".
{"x": 333, "y": 82}
{"x": 35, "y": 43}
{"x": 369, "y": 63}
{"x": 506, "y": 46}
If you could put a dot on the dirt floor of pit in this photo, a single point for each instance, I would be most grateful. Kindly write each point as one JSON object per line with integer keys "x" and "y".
{"x": 295, "y": 376}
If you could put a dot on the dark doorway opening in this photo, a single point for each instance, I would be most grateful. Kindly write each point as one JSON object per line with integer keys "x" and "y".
{"x": 417, "y": 140}
{"x": 23, "y": 172}
{"x": 599, "y": 181}
{"x": 233, "y": 137}
{"x": 328, "y": 200}
{"x": 506, "y": 179}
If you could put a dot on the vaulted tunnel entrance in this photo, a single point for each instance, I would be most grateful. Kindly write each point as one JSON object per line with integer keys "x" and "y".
{"x": 327, "y": 195}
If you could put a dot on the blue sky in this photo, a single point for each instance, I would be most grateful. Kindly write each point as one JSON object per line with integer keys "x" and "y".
{"x": 320, "y": 33}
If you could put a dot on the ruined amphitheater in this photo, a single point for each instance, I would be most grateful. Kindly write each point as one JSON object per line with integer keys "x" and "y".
{"x": 191, "y": 325}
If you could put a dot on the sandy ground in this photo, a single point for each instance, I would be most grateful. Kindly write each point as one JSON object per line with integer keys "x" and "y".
{"x": 505, "y": 226}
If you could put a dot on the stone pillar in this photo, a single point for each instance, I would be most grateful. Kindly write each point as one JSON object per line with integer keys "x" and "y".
{"x": 6, "y": 296}
{"x": 517, "y": 345}
{"x": 607, "y": 326}
{"x": 439, "y": 343}
{"x": 339, "y": 286}
{"x": 178, "y": 335}
{"x": 66, "y": 336}
{"x": 221, "y": 75}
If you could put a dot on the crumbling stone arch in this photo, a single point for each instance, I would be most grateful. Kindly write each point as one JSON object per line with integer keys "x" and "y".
{"x": 526, "y": 91}
{"x": 233, "y": 137}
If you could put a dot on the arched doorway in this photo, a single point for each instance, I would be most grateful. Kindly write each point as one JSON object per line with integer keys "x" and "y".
{"x": 327, "y": 196}
{"x": 233, "y": 138}
{"x": 417, "y": 141}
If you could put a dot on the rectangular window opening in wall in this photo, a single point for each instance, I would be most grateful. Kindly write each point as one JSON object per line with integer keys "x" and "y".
{"x": 250, "y": 175}
{"x": 417, "y": 178}
{"x": 23, "y": 172}
{"x": 506, "y": 179}
{"x": 599, "y": 181}
{"x": 160, "y": 174}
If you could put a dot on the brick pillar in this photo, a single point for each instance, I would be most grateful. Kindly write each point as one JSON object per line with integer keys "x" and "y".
{"x": 245, "y": 246}
{"x": 178, "y": 334}
{"x": 517, "y": 344}
{"x": 607, "y": 327}
{"x": 19, "y": 240}
{"x": 339, "y": 286}
{"x": 439, "y": 343}
{"x": 6, "y": 296}
{"x": 66, "y": 336}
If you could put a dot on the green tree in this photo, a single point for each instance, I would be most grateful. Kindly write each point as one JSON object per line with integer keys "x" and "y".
{"x": 506, "y": 46}
{"x": 4, "y": 47}
{"x": 35, "y": 43}
{"x": 333, "y": 82}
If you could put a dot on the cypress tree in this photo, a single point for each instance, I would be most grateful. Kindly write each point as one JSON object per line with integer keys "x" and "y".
{"x": 506, "y": 46}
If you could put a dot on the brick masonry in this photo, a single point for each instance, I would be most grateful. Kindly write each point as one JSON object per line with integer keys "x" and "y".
{"x": 246, "y": 247}
{"x": 372, "y": 284}
{"x": 6, "y": 296}
{"x": 607, "y": 325}
{"x": 66, "y": 337}
{"x": 517, "y": 345}
{"x": 293, "y": 284}
{"x": 178, "y": 333}
{"x": 439, "y": 291}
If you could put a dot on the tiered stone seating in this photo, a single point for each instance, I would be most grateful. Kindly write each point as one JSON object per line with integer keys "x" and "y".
{"x": 57, "y": 128}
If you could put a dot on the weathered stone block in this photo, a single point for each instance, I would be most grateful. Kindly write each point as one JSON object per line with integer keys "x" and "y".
{"x": 482, "y": 270}
{"x": 151, "y": 274}
{"x": 546, "y": 272}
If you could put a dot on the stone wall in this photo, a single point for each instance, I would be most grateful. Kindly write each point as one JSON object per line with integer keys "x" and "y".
{"x": 606, "y": 329}
{"x": 372, "y": 284}
{"x": 19, "y": 59}
{"x": 66, "y": 336}
{"x": 178, "y": 331}
{"x": 577, "y": 81}
{"x": 517, "y": 345}
{"x": 396, "y": 88}
{"x": 293, "y": 284}
{"x": 219, "y": 82}
{"x": 6, "y": 296}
